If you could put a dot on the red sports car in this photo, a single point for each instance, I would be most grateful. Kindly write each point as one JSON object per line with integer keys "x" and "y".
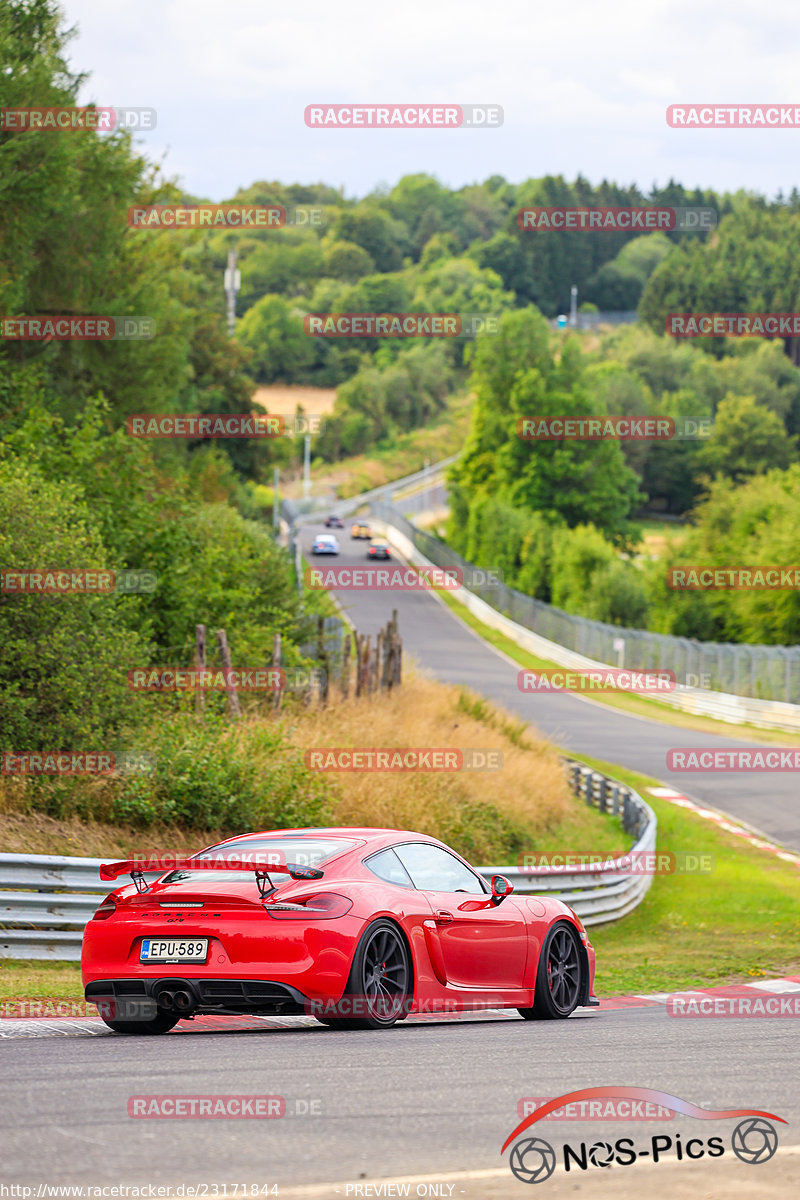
{"x": 357, "y": 927}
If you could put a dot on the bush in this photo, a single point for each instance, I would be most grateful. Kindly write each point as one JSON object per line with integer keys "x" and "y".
{"x": 581, "y": 553}
{"x": 619, "y": 595}
{"x": 210, "y": 775}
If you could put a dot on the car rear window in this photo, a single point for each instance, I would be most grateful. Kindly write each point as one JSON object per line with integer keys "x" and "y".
{"x": 306, "y": 851}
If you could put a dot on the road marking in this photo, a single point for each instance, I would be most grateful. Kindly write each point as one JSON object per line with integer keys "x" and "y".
{"x": 338, "y": 1186}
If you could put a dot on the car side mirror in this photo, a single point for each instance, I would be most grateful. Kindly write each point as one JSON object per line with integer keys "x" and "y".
{"x": 501, "y": 888}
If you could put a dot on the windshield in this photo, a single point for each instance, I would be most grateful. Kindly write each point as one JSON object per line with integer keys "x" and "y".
{"x": 307, "y": 850}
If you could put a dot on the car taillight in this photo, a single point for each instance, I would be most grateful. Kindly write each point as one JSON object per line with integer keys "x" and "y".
{"x": 320, "y": 907}
{"x": 106, "y": 909}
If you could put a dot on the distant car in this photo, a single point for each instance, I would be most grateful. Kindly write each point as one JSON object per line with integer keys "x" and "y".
{"x": 360, "y": 530}
{"x": 378, "y": 548}
{"x": 325, "y": 543}
{"x": 358, "y": 927}
{"x": 334, "y": 522}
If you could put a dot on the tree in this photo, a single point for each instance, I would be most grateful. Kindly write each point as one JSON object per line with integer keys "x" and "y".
{"x": 281, "y": 349}
{"x": 383, "y": 238}
{"x": 746, "y": 440}
{"x": 516, "y": 376}
{"x": 346, "y": 260}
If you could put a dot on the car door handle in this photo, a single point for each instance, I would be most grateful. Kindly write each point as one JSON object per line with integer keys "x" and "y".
{"x": 443, "y": 918}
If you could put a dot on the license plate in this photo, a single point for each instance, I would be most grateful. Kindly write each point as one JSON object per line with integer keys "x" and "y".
{"x": 173, "y": 950}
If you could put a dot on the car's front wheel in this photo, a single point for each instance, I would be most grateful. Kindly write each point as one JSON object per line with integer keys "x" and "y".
{"x": 379, "y": 991}
{"x": 559, "y": 978}
{"x": 160, "y": 1023}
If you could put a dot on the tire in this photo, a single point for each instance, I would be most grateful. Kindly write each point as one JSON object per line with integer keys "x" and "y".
{"x": 559, "y": 978}
{"x": 380, "y": 983}
{"x": 160, "y": 1023}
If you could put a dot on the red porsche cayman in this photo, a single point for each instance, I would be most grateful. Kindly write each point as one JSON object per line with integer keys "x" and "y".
{"x": 357, "y": 927}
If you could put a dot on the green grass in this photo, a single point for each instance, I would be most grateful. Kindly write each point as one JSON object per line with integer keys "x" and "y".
{"x": 33, "y": 980}
{"x": 739, "y": 923}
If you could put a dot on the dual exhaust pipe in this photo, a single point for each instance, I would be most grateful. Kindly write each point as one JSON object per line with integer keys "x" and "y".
{"x": 178, "y": 1000}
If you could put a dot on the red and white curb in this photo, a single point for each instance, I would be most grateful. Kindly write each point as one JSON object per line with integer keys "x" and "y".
{"x": 724, "y": 822}
{"x": 26, "y": 1027}
{"x": 773, "y": 987}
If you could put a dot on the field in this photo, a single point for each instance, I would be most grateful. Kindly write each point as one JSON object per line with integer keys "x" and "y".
{"x": 285, "y": 399}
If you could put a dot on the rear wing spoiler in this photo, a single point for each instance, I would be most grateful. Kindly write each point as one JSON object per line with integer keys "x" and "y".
{"x": 136, "y": 867}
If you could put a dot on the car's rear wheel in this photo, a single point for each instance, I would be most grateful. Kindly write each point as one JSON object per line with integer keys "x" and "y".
{"x": 379, "y": 991}
{"x": 160, "y": 1023}
{"x": 559, "y": 978}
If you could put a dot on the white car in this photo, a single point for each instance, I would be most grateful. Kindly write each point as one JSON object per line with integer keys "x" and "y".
{"x": 325, "y": 543}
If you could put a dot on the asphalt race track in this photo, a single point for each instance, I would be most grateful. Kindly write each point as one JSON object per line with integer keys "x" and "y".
{"x": 434, "y": 1097}
{"x": 449, "y": 650}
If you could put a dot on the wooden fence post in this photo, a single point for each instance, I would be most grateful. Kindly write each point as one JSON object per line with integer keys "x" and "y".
{"x": 225, "y": 655}
{"x": 365, "y": 663}
{"x": 344, "y": 678}
{"x": 377, "y": 666}
{"x": 359, "y": 651}
{"x": 398, "y": 661}
{"x": 200, "y": 665}
{"x": 276, "y": 663}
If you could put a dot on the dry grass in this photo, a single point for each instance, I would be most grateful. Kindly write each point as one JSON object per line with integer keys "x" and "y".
{"x": 36, "y": 833}
{"x": 526, "y": 804}
{"x": 285, "y": 399}
{"x": 489, "y": 816}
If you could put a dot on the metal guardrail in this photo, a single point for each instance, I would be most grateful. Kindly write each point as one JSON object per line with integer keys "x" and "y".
{"x": 45, "y": 901}
{"x": 299, "y": 511}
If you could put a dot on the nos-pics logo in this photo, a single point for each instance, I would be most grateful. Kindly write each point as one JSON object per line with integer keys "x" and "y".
{"x": 754, "y": 1139}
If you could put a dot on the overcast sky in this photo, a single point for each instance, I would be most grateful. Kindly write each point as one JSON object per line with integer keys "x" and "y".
{"x": 584, "y": 86}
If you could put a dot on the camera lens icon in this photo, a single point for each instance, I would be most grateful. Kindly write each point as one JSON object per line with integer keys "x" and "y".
{"x": 533, "y": 1160}
{"x": 754, "y": 1141}
{"x": 601, "y": 1154}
